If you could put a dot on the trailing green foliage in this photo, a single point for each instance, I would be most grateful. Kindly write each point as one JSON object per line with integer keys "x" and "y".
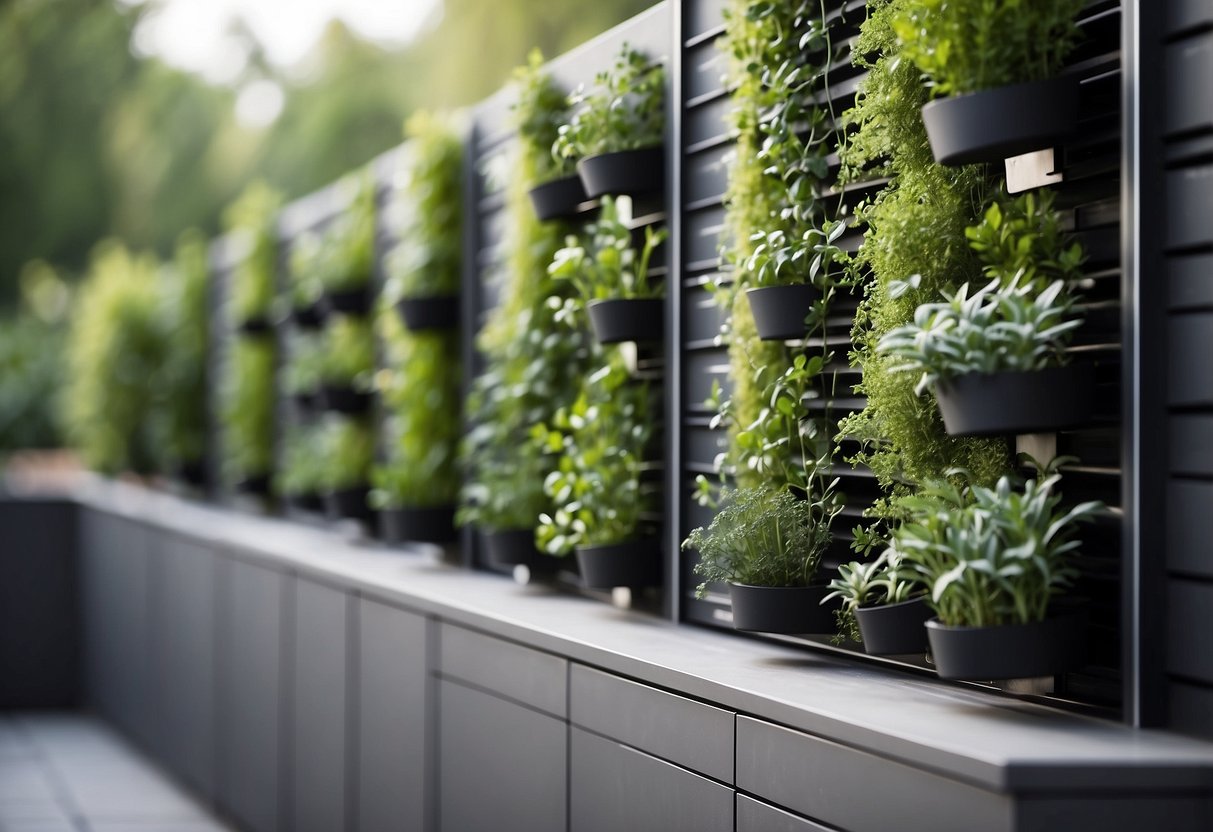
{"x": 542, "y": 107}
{"x": 601, "y": 263}
{"x": 968, "y": 46}
{"x": 426, "y": 261}
{"x": 347, "y": 356}
{"x": 623, "y": 110}
{"x": 248, "y": 410}
{"x": 348, "y": 247}
{"x": 253, "y": 215}
{"x": 992, "y": 556}
{"x": 304, "y": 366}
{"x": 347, "y": 446}
{"x": 302, "y": 470}
{"x": 764, "y": 536}
{"x": 114, "y": 354}
{"x": 182, "y": 411}
{"x": 597, "y": 490}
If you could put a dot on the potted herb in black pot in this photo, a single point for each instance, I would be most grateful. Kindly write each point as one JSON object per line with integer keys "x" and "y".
{"x": 992, "y": 71}
{"x": 248, "y": 416}
{"x": 300, "y": 477}
{"x": 883, "y": 605}
{"x": 541, "y": 109}
{"x": 792, "y": 279}
{"x": 347, "y": 255}
{"x": 998, "y": 561}
{"x": 306, "y": 287}
{"x": 616, "y": 129}
{"x": 347, "y": 448}
{"x": 509, "y": 547}
{"x": 346, "y": 365}
{"x": 766, "y": 543}
{"x": 612, "y": 277}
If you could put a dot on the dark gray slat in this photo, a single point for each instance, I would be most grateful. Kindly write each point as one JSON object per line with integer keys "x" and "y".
{"x": 1187, "y": 14}
{"x": 702, "y": 445}
{"x": 1189, "y": 623}
{"x": 672, "y": 727}
{"x": 836, "y": 784}
{"x": 183, "y": 630}
{"x": 1189, "y": 97}
{"x": 705, "y": 174}
{"x": 704, "y": 69}
{"x": 251, "y": 691}
{"x": 1189, "y": 371}
{"x": 501, "y": 767}
{"x": 392, "y": 775}
{"x": 755, "y": 816}
{"x": 511, "y": 670}
{"x": 1190, "y": 708}
{"x": 702, "y": 236}
{"x": 1191, "y": 445}
{"x": 702, "y": 315}
{"x": 1190, "y": 527}
{"x": 700, "y": 16}
{"x": 1122, "y": 813}
{"x": 699, "y": 370}
{"x": 493, "y": 230}
{"x": 1190, "y": 282}
{"x": 613, "y": 787}
{"x": 321, "y": 674}
{"x": 1190, "y": 203}
{"x": 708, "y": 120}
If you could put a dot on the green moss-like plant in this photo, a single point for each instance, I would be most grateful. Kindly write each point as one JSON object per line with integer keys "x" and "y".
{"x": 182, "y": 426}
{"x": 253, "y": 215}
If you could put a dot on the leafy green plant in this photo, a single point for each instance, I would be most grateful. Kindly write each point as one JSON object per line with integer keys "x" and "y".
{"x": 813, "y": 257}
{"x": 182, "y": 409}
{"x": 996, "y": 329}
{"x": 973, "y": 45}
{"x": 248, "y": 410}
{"x": 304, "y": 370}
{"x": 426, "y": 262}
{"x": 302, "y": 472}
{"x": 597, "y": 489}
{"x": 887, "y": 579}
{"x": 623, "y": 110}
{"x": 764, "y": 536}
{"x": 542, "y": 107}
{"x": 348, "y": 249}
{"x": 420, "y": 388}
{"x": 993, "y": 556}
{"x": 347, "y": 357}
{"x": 253, "y": 215}
{"x": 602, "y": 263}
{"x": 1022, "y": 240}
{"x": 114, "y": 353}
{"x": 347, "y": 446}
{"x": 306, "y": 268}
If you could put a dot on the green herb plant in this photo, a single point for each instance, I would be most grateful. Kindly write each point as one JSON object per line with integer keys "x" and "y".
{"x": 248, "y": 410}
{"x": 347, "y": 446}
{"x": 348, "y": 248}
{"x": 253, "y": 216}
{"x": 542, "y": 107}
{"x": 602, "y": 263}
{"x": 304, "y": 368}
{"x": 887, "y": 579}
{"x": 306, "y": 270}
{"x": 623, "y": 110}
{"x": 302, "y": 473}
{"x": 347, "y": 357}
{"x": 182, "y": 410}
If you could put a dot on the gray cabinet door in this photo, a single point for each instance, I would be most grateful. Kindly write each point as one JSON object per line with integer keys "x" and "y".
{"x": 613, "y": 787}
{"x": 321, "y": 662}
{"x": 502, "y": 766}
{"x": 183, "y": 659}
{"x": 250, "y": 694}
{"x": 391, "y": 780}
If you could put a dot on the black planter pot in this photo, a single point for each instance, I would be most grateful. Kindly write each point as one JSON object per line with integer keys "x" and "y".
{"x": 429, "y": 525}
{"x": 308, "y": 317}
{"x": 633, "y": 319}
{"x": 635, "y": 563}
{"x": 355, "y": 301}
{"x": 510, "y": 547}
{"x": 894, "y": 629}
{"x": 1016, "y": 651}
{"x": 780, "y": 311}
{"x": 558, "y": 198}
{"x": 623, "y": 172}
{"x": 345, "y": 399}
{"x": 996, "y": 124}
{"x": 979, "y": 404}
{"x": 191, "y": 472}
{"x": 259, "y": 325}
{"x": 257, "y": 485}
{"x": 306, "y": 401}
{"x": 310, "y": 502}
{"x": 440, "y": 312}
{"x": 348, "y": 503}
{"x": 781, "y": 609}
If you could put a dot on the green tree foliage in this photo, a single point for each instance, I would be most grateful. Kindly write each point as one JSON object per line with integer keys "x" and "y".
{"x": 181, "y": 429}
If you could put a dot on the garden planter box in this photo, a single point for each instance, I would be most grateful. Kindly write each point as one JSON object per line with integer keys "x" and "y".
{"x": 348, "y": 301}
{"x": 348, "y": 503}
{"x": 429, "y": 525}
{"x": 1015, "y": 651}
{"x": 780, "y": 311}
{"x": 894, "y": 629}
{"x": 634, "y": 319}
{"x": 558, "y": 198}
{"x": 308, "y": 317}
{"x": 633, "y": 564}
{"x": 781, "y": 609}
{"x": 993, "y": 125}
{"x": 437, "y": 312}
{"x": 345, "y": 399}
{"x": 980, "y": 404}
{"x": 623, "y": 172}
{"x": 259, "y": 325}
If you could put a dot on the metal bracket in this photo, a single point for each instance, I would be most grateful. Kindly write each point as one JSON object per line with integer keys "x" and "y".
{"x": 1032, "y": 170}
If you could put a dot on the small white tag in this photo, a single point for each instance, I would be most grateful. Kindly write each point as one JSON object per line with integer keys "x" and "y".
{"x": 1042, "y": 447}
{"x": 1032, "y": 170}
{"x": 621, "y": 597}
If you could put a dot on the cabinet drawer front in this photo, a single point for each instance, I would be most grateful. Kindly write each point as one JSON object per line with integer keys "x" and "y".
{"x": 690, "y": 733}
{"x": 756, "y": 816}
{"x": 613, "y": 787}
{"x": 856, "y": 790}
{"x": 510, "y": 670}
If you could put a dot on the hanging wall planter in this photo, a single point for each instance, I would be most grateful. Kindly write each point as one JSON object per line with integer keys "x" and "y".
{"x": 1008, "y": 403}
{"x": 781, "y": 609}
{"x": 632, "y": 564}
{"x": 439, "y": 312}
{"x": 995, "y": 124}
{"x": 894, "y": 629}
{"x": 308, "y": 317}
{"x": 631, "y": 319}
{"x": 257, "y": 485}
{"x": 780, "y": 311}
{"x": 348, "y": 503}
{"x": 1015, "y": 651}
{"x": 434, "y": 524}
{"x": 559, "y": 198}
{"x": 309, "y": 502}
{"x": 623, "y": 172}
{"x": 191, "y": 472}
{"x": 259, "y": 325}
{"x": 345, "y": 399}
{"x": 356, "y": 301}
{"x": 510, "y": 547}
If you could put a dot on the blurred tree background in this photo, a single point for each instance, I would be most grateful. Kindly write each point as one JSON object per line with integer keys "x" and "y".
{"x": 98, "y": 140}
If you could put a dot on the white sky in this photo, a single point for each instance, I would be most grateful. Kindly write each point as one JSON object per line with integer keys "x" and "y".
{"x": 193, "y": 34}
